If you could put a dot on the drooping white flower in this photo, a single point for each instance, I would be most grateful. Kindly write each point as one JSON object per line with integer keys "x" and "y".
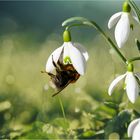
{"x": 122, "y": 22}
{"x": 131, "y": 84}
{"x": 134, "y": 129}
{"x": 73, "y": 54}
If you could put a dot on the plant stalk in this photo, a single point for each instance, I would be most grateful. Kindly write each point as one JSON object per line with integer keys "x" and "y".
{"x": 110, "y": 42}
{"x": 62, "y": 108}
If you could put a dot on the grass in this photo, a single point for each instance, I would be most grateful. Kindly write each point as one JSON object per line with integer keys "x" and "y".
{"x": 27, "y": 109}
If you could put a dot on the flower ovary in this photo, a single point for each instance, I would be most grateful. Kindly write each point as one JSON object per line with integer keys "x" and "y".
{"x": 66, "y": 36}
{"x": 130, "y": 67}
{"x": 126, "y": 7}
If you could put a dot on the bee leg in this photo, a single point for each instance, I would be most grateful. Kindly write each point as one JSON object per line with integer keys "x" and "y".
{"x": 56, "y": 93}
{"x": 52, "y": 75}
{"x": 62, "y": 89}
{"x": 60, "y": 60}
{"x": 60, "y": 64}
{"x": 54, "y": 62}
{"x": 55, "y": 65}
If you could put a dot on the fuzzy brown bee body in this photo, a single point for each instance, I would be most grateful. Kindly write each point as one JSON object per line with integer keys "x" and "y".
{"x": 65, "y": 74}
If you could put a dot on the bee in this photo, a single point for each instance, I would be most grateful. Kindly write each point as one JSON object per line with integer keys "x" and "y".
{"x": 65, "y": 74}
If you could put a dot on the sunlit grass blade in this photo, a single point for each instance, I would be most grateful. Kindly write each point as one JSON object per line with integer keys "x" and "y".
{"x": 135, "y": 8}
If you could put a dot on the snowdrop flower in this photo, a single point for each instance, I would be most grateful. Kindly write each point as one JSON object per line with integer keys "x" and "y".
{"x": 122, "y": 22}
{"x": 73, "y": 54}
{"x": 131, "y": 83}
{"x": 134, "y": 129}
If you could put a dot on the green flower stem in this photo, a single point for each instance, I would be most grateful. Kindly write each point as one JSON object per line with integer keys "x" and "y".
{"x": 133, "y": 59}
{"x": 62, "y": 108}
{"x": 73, "y": 25}
{"x": 94, "y": 25}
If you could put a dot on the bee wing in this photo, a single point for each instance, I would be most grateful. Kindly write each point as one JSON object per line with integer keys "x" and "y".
{"x": 59, "y": 64}
{"x": 60, "y": 60}
{"x": 61, "y": 89}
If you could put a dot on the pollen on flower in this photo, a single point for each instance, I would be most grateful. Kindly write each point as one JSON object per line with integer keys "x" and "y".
{"x": 67, "y": 60}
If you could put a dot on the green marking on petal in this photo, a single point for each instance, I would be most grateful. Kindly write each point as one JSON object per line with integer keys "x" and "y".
{"x": 126, "y": 7}
{"x": 67, "y": 60}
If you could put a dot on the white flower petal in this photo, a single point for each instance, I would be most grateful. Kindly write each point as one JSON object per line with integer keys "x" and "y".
{"x": 122, "y": 30}
{"x": 78, "y": 60}
{"x": 82, "y": 50}
{"x": 131, "y": 127}
{"x": 114, "y": 83}
{"x": 136, "y": 133}
{"x": 56, "y": 53}
{"x": 132, "y": 87}
{"x": 66, "y": 49}
{"x": 114, "y": 19}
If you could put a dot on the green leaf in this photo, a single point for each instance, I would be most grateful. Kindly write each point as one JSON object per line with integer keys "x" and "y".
{"x": 37, "y": 132}
{"x": 35, "y": 135}
{"x": 118, "y": 124}
{"x": 106, "y": 110}
{"x": 5, "y": 105}
{"x": 87, "y": 135}
{"x": 91, "y": 134}
{"x": 111, "y": 105}
{"x": 37, "y": 125}
{"x": 61, "y": 122}
{"x": 137, "y": 114}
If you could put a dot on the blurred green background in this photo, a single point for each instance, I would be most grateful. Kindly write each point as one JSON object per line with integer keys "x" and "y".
{"x": 29, "y": 32}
